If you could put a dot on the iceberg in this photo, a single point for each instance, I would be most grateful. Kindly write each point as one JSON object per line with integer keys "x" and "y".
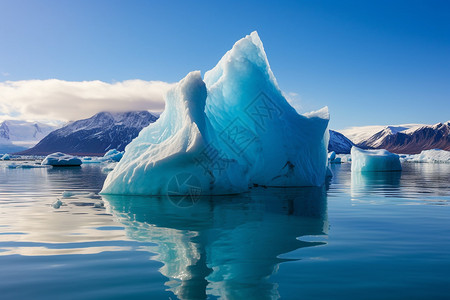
{"x": 6, "y": 157}
{"x": 429, "y": 156}
{"x": 333, "y": 159}
{"x": 113, "y": 155}
{"x": 374, "y": 160}
{"x": 220, "y": 135}
{"x": 59, "y": 159}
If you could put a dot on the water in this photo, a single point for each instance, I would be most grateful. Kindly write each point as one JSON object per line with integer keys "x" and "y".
{"x": 372, "y": 236}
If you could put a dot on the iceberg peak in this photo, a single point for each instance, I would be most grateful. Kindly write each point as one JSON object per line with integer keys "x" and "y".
{"x": 247, "y": 51}
{"x": 322, "y": 113}
{"x": 220, "y": 135}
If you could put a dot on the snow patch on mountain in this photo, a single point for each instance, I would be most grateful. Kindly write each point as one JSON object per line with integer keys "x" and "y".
{"x": 407, "y": 138}
{"x": 17, "y": 135}
{"x": 359, "y": 134}
{"x": 339, "y": 143}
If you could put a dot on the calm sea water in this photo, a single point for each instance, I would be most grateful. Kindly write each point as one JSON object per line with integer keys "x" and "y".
{"x": 371, "y": 236}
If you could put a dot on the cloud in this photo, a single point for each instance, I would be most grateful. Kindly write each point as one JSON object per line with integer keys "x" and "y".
{"x": 53, "y": 99}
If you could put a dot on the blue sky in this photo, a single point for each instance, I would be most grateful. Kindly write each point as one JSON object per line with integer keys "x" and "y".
{"x": 371, "y": 62}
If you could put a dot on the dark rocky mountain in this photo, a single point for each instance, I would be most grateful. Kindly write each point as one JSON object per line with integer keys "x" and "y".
{"x": 413, "y": 141}
{"x": 95, "y": 135}
{"x": 339, "y": 143}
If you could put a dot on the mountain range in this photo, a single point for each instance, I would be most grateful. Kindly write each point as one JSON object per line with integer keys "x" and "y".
{"x": 106, "y": 130}
{"x": 339, "y": 143}
{"x": 17, "y": 135}
{"x": 405, "y": 139}
{"x": 94, "y": 136}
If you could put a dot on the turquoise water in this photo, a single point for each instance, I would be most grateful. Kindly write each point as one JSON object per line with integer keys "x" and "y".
{"x": 372, "y": 236}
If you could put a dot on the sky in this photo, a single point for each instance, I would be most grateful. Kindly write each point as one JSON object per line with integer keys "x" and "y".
{"x": 371, "y": 62}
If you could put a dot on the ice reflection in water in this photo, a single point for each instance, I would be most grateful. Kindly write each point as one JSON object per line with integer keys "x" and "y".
{"x": 418, "y": 182}
{"x": 225, "y": 246}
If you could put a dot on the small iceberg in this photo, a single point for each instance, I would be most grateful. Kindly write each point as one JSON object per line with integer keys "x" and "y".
{"x": 6, "y": 157}
{"x": 333, "y": 159}
{"x": 113, "y": 155}
{"x": 59, "y": 159}
{"x": 374, "y": 160}
{"x": 57, "y": 204}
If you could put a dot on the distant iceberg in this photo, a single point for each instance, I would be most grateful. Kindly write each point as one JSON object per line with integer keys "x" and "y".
{"x": 429, "y": 156}
{"x": 333, "y": 159}
{"x": 221, "y": 135}
{"x": 113, "y": 155}
{"x": 59, "y": 159}
{"x": 374, "y": 160}
{"x": 5, "y": 157}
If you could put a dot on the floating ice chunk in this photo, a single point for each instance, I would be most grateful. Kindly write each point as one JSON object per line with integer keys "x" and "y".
{"x": 333, "y": 159}
{"x": 57, "y": 204}
{"x": 336, "y": 160}
{"x": 24, "y": 165}
{"x": 91, "y": 160}
{"x": 99, "y": 204}
{"x": 219, "y": 138}
{"x": 6, "y": 157}
{"x": 30, "y": 166}
{"x": 67, "y": 194}
{"x": 374, "y": 160}
{"x": 429, "y": 156}
{"x": 60, "y": 159}
{"x": 113, "y": 155}
{"x": 331, "y": 155}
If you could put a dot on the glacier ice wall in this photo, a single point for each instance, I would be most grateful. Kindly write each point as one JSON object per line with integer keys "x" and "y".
{"x": 223, "y": 134}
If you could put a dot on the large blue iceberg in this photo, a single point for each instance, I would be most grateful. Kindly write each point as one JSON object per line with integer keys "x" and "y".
{"x": 220, "y": 135}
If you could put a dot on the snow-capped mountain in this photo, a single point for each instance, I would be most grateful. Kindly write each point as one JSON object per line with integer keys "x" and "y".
{"x": 95, "y": 135}
{"x": 339, "y": 143}
{"x": 16, "y": 135}
{"x": 407, "y": 138}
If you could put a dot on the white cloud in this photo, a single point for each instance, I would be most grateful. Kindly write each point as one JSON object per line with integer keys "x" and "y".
{"x": 53, "y": 99}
